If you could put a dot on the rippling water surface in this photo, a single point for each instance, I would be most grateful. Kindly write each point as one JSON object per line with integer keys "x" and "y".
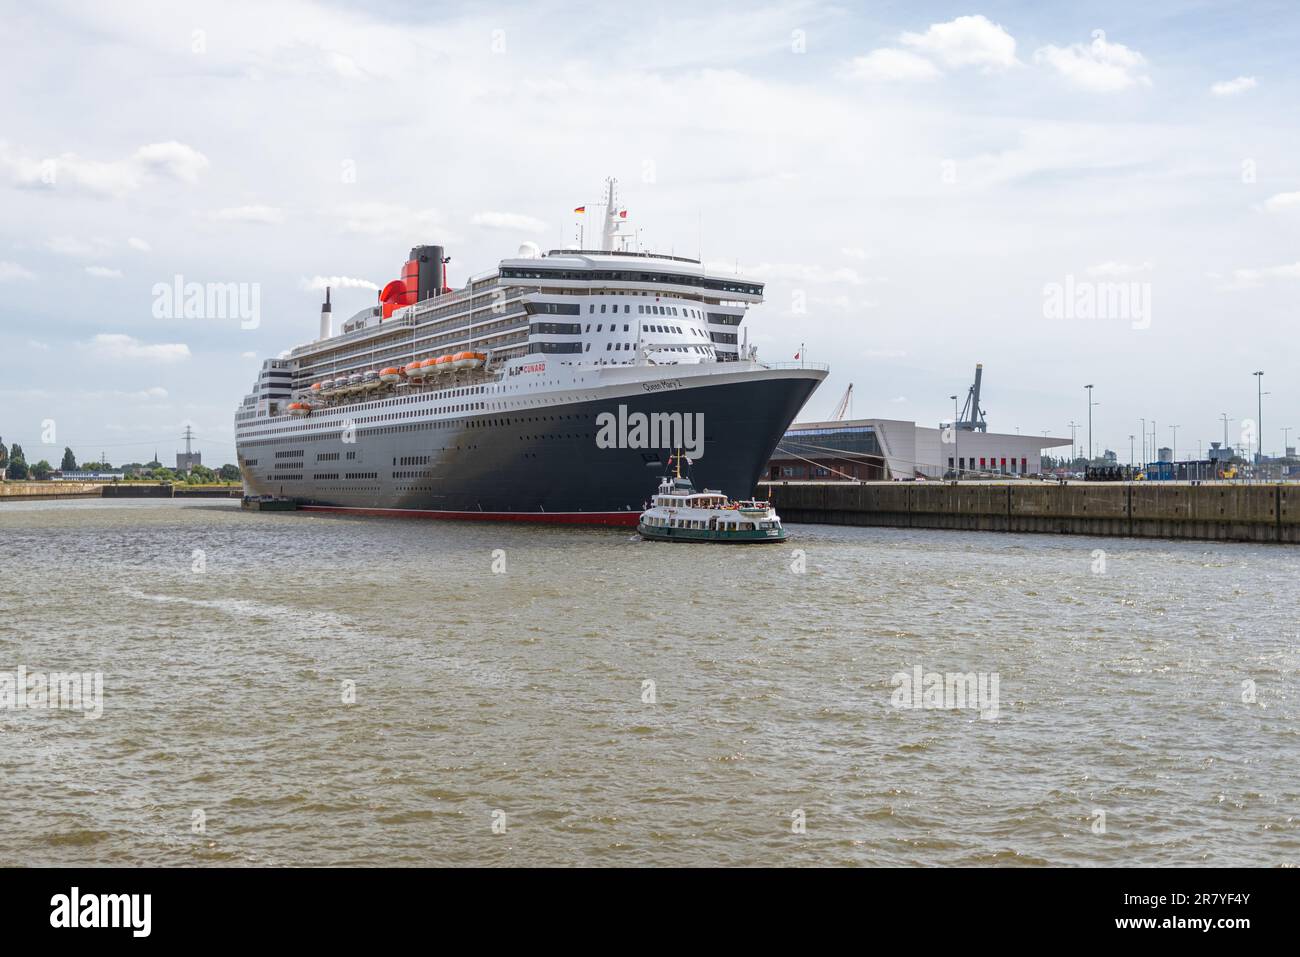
{"x": 518, "y": 697}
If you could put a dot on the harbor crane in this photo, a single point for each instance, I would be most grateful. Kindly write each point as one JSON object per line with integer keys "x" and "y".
{"x": 972, "y": 416}
{"x": 845, "y": 407}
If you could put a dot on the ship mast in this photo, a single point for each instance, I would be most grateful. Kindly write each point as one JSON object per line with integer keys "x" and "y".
{"x": 611, "y": 217}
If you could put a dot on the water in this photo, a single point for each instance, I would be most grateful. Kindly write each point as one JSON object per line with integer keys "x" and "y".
{"x": 517, "y": 698}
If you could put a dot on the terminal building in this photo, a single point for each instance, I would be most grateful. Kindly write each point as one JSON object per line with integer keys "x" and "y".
{"x": 897, "y": 449}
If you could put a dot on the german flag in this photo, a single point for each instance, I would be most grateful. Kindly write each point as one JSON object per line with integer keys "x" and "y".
{"x": 580, "y": 209}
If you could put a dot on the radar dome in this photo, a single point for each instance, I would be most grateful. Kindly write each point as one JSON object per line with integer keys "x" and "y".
{"x": 530, "y": 250}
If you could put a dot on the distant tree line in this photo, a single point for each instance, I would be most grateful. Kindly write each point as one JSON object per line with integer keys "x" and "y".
{"x": 13, "y": 465}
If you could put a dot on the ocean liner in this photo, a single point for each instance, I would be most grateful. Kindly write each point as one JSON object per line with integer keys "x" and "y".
{"x": 553, "y": 388}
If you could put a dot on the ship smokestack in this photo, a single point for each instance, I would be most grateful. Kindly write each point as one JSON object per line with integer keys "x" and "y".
{"x": 428, "y": 261}
{"x": 326, "y": 319}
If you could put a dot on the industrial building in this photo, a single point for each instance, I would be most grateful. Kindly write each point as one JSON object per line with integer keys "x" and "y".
{"x": 882, "y": 449}
{"x": 846, "y": 449}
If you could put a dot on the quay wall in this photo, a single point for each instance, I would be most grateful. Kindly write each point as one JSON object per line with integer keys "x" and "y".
{"x": 35, "y": 491}
{"x": 1219, "y": 512}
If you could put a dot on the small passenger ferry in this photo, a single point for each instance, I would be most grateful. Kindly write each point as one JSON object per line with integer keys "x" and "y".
{"x": 679, "y": 513}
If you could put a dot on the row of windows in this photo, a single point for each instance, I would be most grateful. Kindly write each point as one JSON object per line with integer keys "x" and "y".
{"x": 701, "y": 525}
{"x": 291, "y": 454}
{"x": 627, "y": 275}
{"x": 554, "y": 347}
{"x": 327, "y": 456}
{"x": 361, "y": 475}
{"x": 320, "y": 476}
{"x": 556, "y": 328}
{"x": 285, "y": 478}
{"x": 993, "y": 464}
{"x": 553, "y": 308}
{"x": 412, "y": 460}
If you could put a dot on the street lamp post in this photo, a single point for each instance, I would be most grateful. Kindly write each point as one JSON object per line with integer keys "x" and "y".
{"x": 955, "y": 461}
{"x": 1089, "y": 388}
{"x": 1144, "y": 441}
{"x": 1259, "y": 415}
{"x": 1131, "y": 463}
{"x": 1173, "y": 451}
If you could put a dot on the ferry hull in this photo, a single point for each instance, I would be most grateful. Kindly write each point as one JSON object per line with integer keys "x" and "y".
{"x": 544, "y": 463}
{"x": 713, "y": 536}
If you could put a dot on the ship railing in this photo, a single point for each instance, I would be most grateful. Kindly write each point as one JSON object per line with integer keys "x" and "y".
{"x": 822, "y": 366}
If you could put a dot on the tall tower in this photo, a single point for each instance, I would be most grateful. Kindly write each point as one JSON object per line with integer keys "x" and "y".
{"x": 326, "y": 319}
{"x": 187, "y": 461}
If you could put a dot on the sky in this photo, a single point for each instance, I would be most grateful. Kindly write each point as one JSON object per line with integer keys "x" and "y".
{"x": 1070, "y": 194}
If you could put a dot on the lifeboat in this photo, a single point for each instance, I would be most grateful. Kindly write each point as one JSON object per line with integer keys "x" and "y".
{"x": 429, "y": 366}
{"x": 356, "y": 382}
{"x": 318, "y": 387}
{"x": 390, "y": 376}
{"x": 299, "y": 408}
{"x": 370, "y": 380}
{"x": 414, "y": 370}
{"x": 444, "y": 364}
{"x": 477, "y": 359}
{"x": 462, "y": 360}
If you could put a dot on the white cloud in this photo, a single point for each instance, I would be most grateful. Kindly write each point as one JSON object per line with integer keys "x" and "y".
{"x": 798, "y": 272}
{"x": 1232, "y": 87}
{"x": 248, "y": 355}
{"x": 1097, "y": 67}
{"x": 170, "y": 160}
{"x": 318, "y": 283}
{"x": 79, "y": 248}
{"x": 884, "y": 354}
{"x": 103, "y": 272}
{"x": 11, "y": 271}
{"x": 38, "y": 345}
{"x": 262, "y": 215}
{"x": 513, "y": 222}
{"x": 116, "y": 347}
{"x": 966, "y": 41}
{"x": 888, "y": 64}
{"x": 139, "y": 244}
{"x": 390, "y": 219}
{"x": 1281, "y": 201}
{"x": 143, "y": 395}
{"x": 1118, "y": 269}
{"x": 1249, "y": 278}
{"x": 853, "y": 252}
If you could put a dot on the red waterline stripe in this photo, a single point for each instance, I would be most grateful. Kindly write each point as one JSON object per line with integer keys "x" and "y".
{"x": 622, "y": 519}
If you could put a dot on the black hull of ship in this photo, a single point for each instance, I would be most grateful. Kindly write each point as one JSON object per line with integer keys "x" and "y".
{"x": 544, "y": 464}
